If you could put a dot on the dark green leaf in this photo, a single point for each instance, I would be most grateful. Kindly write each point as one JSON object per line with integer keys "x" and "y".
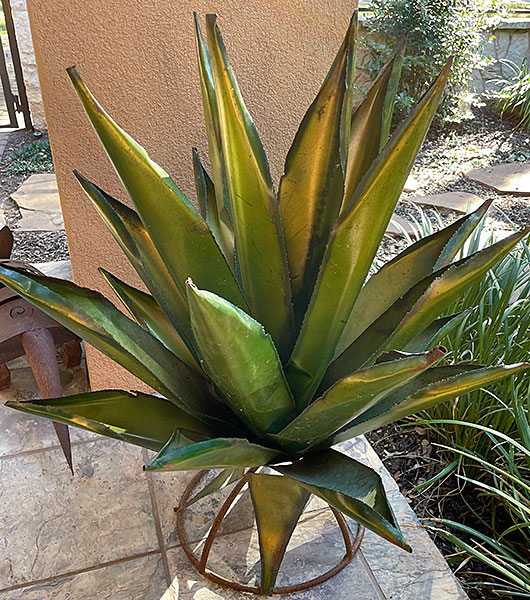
{"x": 137, "y": 418}
{"x": 275, "y": 527}
{"x": 218, "y": 453}
{"x": 350, "y": 486}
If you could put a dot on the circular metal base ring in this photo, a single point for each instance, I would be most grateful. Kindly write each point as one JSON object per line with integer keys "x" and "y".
{"x": 352, "y": 544}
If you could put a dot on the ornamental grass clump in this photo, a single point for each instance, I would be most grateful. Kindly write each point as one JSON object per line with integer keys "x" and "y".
{"x": 260, "y": 329}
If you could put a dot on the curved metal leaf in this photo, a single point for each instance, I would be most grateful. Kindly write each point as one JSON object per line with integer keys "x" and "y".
{"x": 409, "y": 267}
{"x": 217, "y": 218}
{"x": 140, "y": 419}
{"x": 91, "y": 316}
{"x": 241, "y": 360}
{"x": 350, "y": 486}
{"x": 179, "y": 233}
{"x": 133, "y": 239}
{"x": 367, "y": 129}
{"x": 352, "y": 247}
{"x": 416, "y": 310}
{"x": 435, "y": 332}
{"x": 148, "y": 314}
{"x": 275, "y": 527}
{"x": 349, "y": 398}
{"x": 311, "y": 188}
{"x": 258, "y": 232}
{"x": 430, "y": 388}
{"x": 219, "y": 453}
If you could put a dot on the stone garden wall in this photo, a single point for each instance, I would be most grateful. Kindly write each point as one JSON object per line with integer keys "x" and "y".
{"x": 510, "y": 40}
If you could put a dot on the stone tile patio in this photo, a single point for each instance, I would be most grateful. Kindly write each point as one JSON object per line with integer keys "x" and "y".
{"x": 109, "y": 531}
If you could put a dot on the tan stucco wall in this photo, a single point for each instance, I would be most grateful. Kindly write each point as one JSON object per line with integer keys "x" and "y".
{"x": 139, "y": 60}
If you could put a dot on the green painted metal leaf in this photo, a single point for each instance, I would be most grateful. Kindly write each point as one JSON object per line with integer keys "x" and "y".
{"x": 311, "y": 188}
{"x": 391, "y": 93}
{"x": 367, "y": 129}
{"x": 349, "y": 398}
{"x": 436, "y": 385}
{"x": 354, "y": 242}
{"x": 133, "y": 239}
{"x": 211, "y": 118}
{"x": 278, "y": 504}
{"x": 217, "y": 218}
{"x": 416, "y": 310}
{"x": 258, "y": 232}
{"x": 350, "y": 486}
{"x": 137, "y": 418}
{"x": 241, "y": 360}
{"x": 409, "y": 267}
{"x": 218, "y": 453}
{"x": 179, "y": 233}
{"x": 148, "y": 314}
{"x": 91, "y": 316}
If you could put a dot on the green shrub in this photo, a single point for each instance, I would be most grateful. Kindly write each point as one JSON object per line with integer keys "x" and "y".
{"x": 435, "y": 30}
{"x": 32, "y": 158}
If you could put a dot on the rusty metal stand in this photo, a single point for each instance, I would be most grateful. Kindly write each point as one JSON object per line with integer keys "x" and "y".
{"x": 27, "y": 330}
{"x": 351, "y": 545}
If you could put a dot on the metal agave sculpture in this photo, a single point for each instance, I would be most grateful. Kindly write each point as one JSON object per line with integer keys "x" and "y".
{"x": 261, "y": 330}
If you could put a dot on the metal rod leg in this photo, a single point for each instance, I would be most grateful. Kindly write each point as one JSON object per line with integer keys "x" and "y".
{"x": 40, "y": 350}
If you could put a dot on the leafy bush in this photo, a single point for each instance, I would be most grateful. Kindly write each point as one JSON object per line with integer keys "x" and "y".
{"x": 32, "y": 158}
{"x": 435, "y": 29}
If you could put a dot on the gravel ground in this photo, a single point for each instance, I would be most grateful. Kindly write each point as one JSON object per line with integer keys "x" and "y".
{"x": 30, "y": 246}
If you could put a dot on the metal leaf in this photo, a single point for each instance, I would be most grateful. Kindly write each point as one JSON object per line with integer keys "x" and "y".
{"x": 218, "y": 453}
{"x": 147, "y": 313}
{"x": 350, "y": 486}
{"x": 349, "y": 398}
{"x": 258, "y": 232}
{"x": 140, "y": 419}
{"x": 225, "y": 478}
{"x": 432, "y": 387}
{"x": 240, "y": 358}
{"x": 396, "y": 277}
{"x": 179, "y": 233}
{"x": 134, "y": 240}
{"x": 352, "y": 247}
{"x": 311, "y": 188}
{"x": 435, "y": 332}
{"x": 217, "y": 218}
{"x": 275, "y": 527}
{"x": 91, "y": 316}
{"x": 416, "y": 310}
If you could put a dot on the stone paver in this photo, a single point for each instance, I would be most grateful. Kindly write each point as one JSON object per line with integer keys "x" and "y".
{"x": 510, "y": 178}
{"x": 109, "y": 531}
{"x": 398, "y": 225}
{"x": 38, "y": 200}
{"x": 411, "y": 185}
{"x": 461, "y": 202}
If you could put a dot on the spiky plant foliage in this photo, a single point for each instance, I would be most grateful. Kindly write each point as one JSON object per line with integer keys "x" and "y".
{"x": 260, "y": 329}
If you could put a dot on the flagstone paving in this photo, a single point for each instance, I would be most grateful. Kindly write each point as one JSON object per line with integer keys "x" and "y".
{"x": 109, "y": 531}
{"x": 38, "y": 201}
{"x": 461, "y": 202}
{"x": 509, "y": 178}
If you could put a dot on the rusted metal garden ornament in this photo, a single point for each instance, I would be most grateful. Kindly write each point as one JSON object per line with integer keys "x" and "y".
{"x": 25, "y": 329}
